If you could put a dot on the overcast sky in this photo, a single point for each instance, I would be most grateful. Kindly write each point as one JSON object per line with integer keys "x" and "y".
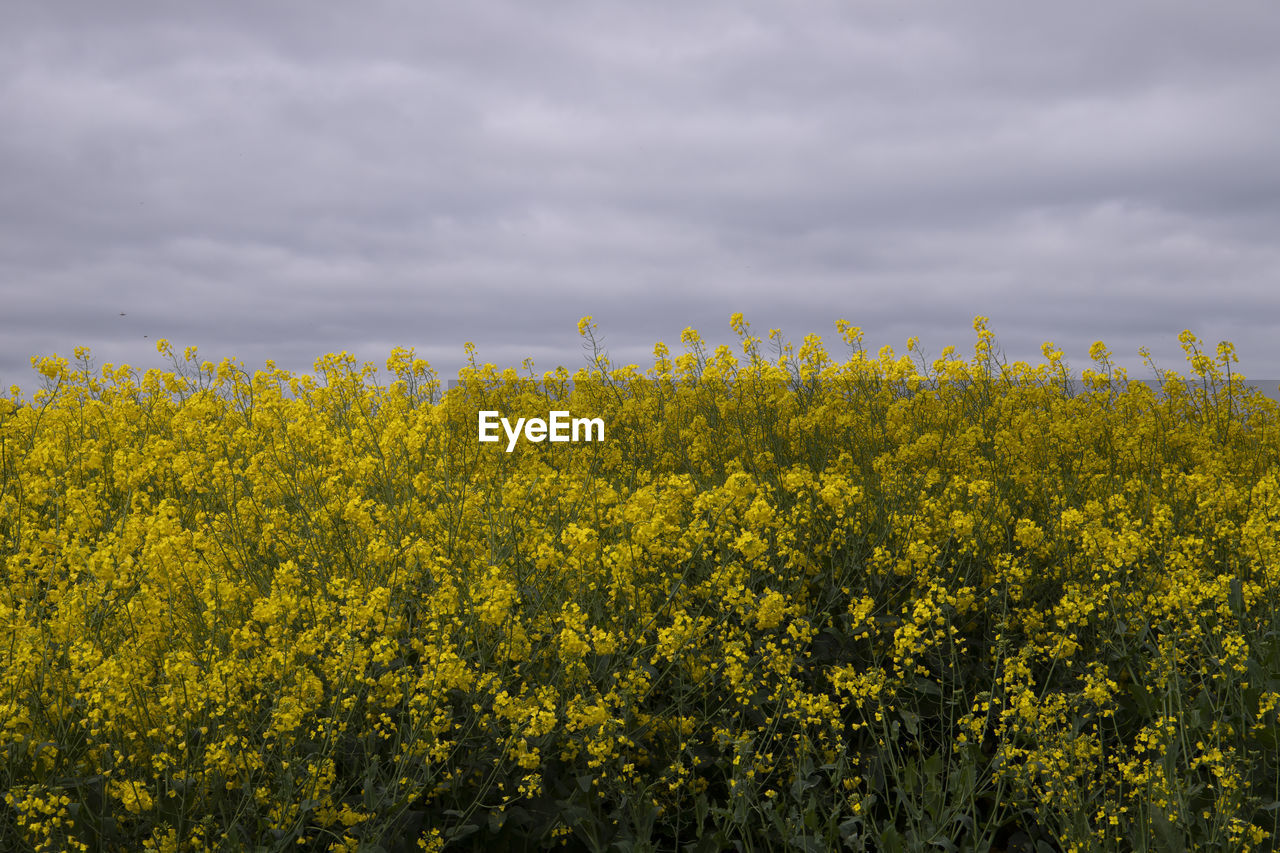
{"x": 286, "y": 179}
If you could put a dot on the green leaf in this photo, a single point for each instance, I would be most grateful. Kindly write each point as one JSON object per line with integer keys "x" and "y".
{"x": 462, "y": 831}
{"x": 890, "y": 840}
{"x": 928, "y": 686}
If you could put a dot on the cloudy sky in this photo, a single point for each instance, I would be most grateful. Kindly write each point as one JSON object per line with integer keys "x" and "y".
{"x": 285, "y": 179}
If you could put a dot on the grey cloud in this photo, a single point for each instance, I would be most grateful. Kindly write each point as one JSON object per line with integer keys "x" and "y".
{"x": 282, "y": 180}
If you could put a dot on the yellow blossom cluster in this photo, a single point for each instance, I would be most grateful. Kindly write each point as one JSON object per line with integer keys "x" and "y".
{"x": 794, "y": 601}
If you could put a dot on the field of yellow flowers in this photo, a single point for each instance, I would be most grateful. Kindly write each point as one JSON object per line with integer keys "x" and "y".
{"x": 792, "y": 602}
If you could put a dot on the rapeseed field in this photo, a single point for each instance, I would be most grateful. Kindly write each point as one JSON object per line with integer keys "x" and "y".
{"x": 793, "y": 601}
